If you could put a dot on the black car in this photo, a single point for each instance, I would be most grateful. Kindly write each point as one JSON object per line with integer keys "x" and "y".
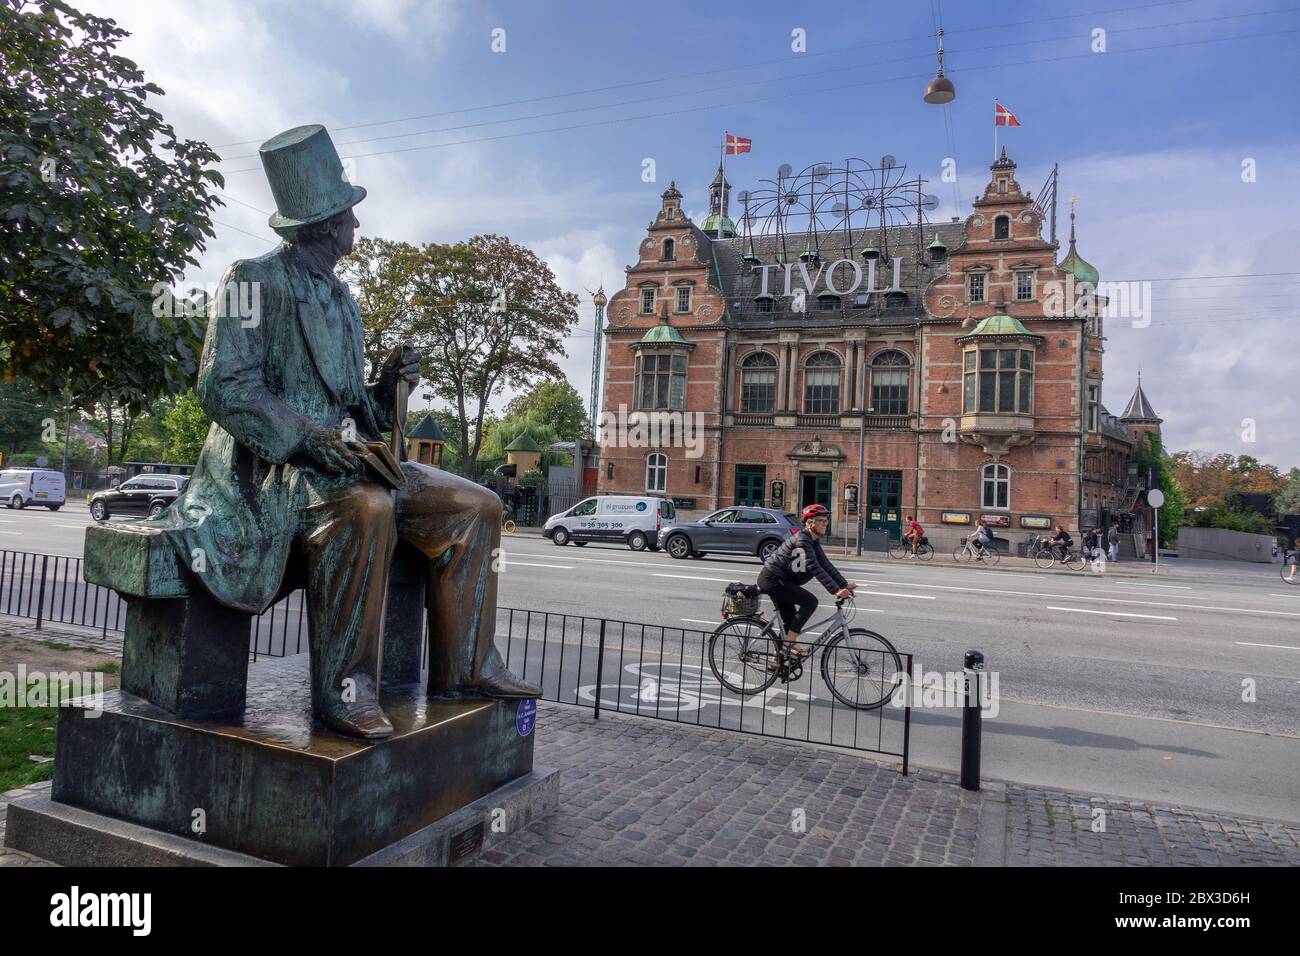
{"x": 757, "y": 531}
{"x": 143, "y": 495}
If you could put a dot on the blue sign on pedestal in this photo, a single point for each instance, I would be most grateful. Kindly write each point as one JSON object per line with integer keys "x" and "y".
{"x": 526, "y": 717}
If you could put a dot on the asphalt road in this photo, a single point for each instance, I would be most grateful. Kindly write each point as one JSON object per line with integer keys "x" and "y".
{"x": 1181, "y": 687}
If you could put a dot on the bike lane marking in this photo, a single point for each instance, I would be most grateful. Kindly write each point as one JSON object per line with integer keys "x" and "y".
{"x": 1285, "y": 647}
{"x": 690, "y": 577}
{"x": 525, "y": 564}
{"x": 1079, "y": 610}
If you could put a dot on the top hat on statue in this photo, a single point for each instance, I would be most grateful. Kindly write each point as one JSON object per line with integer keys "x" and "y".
{"x": 306, "y": 177}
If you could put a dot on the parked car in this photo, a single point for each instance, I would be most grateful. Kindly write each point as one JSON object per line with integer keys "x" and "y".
{"x": 141, "y": 495}
{"x": 757, "y": 531}
{"x": 630, "y": 519}
{"x": 20, "y": 487}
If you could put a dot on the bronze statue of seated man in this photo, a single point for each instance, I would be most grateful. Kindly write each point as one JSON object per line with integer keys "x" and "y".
{"x": 293, "y": 466}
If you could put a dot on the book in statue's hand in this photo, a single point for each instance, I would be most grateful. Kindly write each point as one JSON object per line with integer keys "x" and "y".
{"x": 380, "y": 462}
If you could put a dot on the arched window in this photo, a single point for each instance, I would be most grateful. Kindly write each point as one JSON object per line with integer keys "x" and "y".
{"x": 997, "y": 486}
{"x": 1002, "y": 227}
{"x": 821, "y": 384}
{"x": 889, "y": 380}
{"x": 669, "y": 249}
{"x": 656, "y": 472}
{"x": 758, "y": 382}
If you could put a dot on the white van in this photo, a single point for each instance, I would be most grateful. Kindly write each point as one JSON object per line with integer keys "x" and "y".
{"x": 624, "y": 518}
{"x": 20, "y": 487}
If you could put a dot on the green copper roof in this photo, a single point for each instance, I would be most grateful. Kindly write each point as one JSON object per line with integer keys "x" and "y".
{"x": 523, "y": 443}
{"x": 711, "y": 221}
{"x": 663, "y": 334}
{"x": 1000, "y": 324}
{"x": 1080, "y": 268}
{"x": 937, "y": 243}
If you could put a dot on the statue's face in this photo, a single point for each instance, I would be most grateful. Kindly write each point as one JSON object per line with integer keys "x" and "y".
{"x": 346, "y": 233}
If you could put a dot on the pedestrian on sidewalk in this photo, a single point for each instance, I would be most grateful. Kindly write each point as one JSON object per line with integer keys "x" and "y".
{"x": 1114, "y": 541}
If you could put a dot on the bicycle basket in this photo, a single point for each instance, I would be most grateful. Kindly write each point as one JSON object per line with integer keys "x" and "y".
{"x": 740, "y": 600}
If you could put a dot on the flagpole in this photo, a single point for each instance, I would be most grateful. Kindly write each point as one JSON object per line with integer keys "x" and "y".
{"x": 995, "y": 129}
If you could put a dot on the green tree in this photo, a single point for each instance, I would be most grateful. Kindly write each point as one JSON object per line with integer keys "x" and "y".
{"x": 490, "y": 316}
{"x": 102, "y": 206}
{"x": 381, "y": 274}
{"x": 1150, "y": 454}
{"x": 556, "y": 402}
{"x": 185, "y": 426}
{"x": 22, "y": 414}
{"x": 1288, "y": 499}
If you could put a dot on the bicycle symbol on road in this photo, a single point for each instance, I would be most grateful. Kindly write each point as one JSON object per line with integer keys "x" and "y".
{"x": 686, "y": 688}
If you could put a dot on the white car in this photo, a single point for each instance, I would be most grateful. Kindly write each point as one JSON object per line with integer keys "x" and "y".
{"x": 634, "y": 521}
{"x": 20, "y": 487}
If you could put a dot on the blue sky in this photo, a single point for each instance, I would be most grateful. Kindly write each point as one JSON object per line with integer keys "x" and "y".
{"x": 1152, "y": 141}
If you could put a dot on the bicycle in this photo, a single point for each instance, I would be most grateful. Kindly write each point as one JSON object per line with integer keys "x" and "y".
{"x": 1072, "y": 559}
{"x": 747, "y": 655}
{"x": 902, "y": 548}
{"x": 1291, "y": 564}
{"x": 966, "y": 551}
{"x": 508, "y": 526}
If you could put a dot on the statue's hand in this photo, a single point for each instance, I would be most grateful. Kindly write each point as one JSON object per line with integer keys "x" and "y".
{"x": 401, "y": 365}
{"x": 326, "y": 449}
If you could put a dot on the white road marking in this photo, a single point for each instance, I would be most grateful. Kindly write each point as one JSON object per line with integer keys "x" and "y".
{"x": 505, "y": 565}
{"x": 1085, "y": 597}
{"x": 1288, "y": 596}
{"x": 1284, "y": 647}
{"x": 11, "y": 532}
{"x": 1079, "y": 610}
{"x": 688, "y": 577}
{"x": 77, "y": 526}
{"x": 1171, "y": 587}
{"x": 694, "y": 620}
{"x": 914, "y": 597}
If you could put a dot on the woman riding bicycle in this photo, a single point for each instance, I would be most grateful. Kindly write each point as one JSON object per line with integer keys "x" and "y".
{"x": 800, "y": 558}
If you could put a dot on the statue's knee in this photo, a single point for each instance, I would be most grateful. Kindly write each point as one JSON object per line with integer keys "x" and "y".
{"x": 373, "y": 502}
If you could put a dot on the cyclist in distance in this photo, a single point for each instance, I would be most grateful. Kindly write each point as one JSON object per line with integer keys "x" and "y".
{"x": 1062, "y": 543}
{"x": 799, "y": 559}
{"x": 914, "y": 533}
{"x": 980, "y": 537}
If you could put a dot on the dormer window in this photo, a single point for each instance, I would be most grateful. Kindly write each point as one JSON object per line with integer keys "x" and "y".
{"x": 1002, "y": 184}
{"x": 648, "y": 300}
{"x": 938, "y": 254}
{"x": 1002, "y": 226}
{"x": 895, "y": 299}
{"x": 827, "y": 303}
{"x": 670, "y": 250}
{"x": 763, "y": 303}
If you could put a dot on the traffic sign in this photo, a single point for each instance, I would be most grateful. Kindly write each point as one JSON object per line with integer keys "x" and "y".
{"x": 1156, "y": 498}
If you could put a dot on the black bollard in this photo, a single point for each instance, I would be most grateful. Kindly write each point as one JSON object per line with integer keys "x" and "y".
{"x": 970, "y": 723}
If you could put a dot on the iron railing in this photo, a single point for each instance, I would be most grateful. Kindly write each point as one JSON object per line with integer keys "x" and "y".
{"x": 599, "y": 663}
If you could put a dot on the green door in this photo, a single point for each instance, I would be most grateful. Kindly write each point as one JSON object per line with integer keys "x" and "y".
{"x": 885, "y": 501}
{"x": 751, "y": 480}
{"x": 814, "y": 488}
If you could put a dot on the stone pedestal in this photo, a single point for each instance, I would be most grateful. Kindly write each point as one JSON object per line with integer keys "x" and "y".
{"x": 272, "y": 785}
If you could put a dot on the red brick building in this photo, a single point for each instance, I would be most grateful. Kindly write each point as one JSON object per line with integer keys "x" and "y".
{"x": 960, "y": 354}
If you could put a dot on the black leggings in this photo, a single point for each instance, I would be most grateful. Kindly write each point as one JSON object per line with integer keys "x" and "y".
{"x": 796, "y": 604}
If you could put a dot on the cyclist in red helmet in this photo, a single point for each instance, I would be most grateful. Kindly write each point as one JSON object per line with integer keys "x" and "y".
{"x": 800, "y": 558}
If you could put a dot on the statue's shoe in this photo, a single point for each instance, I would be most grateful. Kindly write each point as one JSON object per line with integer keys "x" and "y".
{"x": 503, "y": 684}
{"x": 365, "y": 721}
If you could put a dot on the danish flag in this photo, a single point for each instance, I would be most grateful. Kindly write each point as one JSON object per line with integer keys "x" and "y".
{"x": 1003, "y": 116}
{"x": 737, "y": 144}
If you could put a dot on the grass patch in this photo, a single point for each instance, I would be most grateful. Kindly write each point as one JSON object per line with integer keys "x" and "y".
{"x": 57, "y": 645}
{"x": 112, "y": 667}
{"x": 25, "y": 731}
{"x": 1051, "y": 813}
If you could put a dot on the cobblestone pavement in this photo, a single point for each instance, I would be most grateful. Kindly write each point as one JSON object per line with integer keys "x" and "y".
{"x": 636, "y": 791}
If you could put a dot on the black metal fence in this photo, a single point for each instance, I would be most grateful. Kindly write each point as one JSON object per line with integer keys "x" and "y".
{"x": 599, "y": 663}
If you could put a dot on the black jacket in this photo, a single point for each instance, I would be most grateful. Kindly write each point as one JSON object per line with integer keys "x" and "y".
{"x": 802, "y": 550}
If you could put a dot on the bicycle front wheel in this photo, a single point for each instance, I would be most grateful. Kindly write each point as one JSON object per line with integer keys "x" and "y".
{"x": 743, "y": 653}
{"x": 899, "y": 549}
{"x": 862, "y": 669}
{"x": 508, "y": 527}
{"x": 1075, "y": 561}
{"x": 990, "y": 557}
{"x": 925, "y": 552}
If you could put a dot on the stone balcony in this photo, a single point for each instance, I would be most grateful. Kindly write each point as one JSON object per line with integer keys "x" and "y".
{"x": 997, "y": 433}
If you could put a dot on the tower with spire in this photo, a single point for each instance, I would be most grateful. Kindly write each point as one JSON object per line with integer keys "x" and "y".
{"x": 1139, "y": 416}
{"x": 718, "y": 225}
